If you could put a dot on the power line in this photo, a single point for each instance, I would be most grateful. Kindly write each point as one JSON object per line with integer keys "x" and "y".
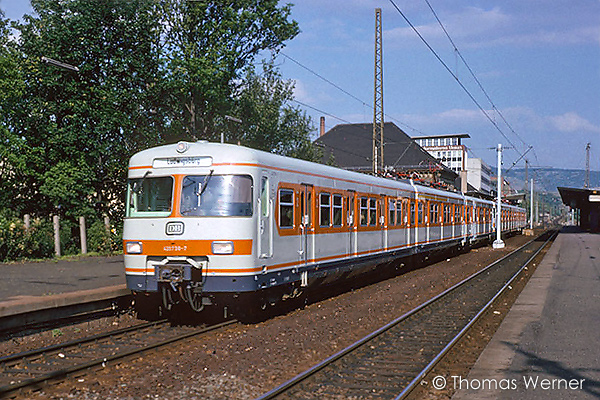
{"x": 453, "y": 75}
{"x": 473, "y": 73}
{"x": 320, "y": 111}
{"x": 347, "y": 93}
{"x": 325, "y": 79}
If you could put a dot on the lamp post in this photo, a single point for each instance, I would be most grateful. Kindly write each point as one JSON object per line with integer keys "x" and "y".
{"x": 498, "y": 243}
{"x": 229, "y": 118}
{"x": 59, "y": 64}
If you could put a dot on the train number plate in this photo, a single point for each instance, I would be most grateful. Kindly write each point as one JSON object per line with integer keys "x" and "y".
{"x": 174, "y": 228}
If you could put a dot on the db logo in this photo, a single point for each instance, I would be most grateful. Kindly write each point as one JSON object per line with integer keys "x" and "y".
{"x": 174, "y": 228}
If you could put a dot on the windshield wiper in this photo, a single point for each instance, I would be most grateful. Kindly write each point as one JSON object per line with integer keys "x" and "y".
{"x": 137, "y": 186}
{"x": 205, "y": 182}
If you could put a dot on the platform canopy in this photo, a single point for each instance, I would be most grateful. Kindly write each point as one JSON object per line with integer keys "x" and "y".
{"x": 587, "y": 201}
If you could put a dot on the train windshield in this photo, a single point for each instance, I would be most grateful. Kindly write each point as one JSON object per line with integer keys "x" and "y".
{"x": 216, "y": 196}
{"x": 149, "y": 197}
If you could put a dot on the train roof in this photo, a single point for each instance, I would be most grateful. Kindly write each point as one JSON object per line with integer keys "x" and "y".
{"x": 203, "y": 153}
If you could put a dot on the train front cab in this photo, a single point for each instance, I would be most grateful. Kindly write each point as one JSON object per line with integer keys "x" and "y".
{"x": 188, "y": 234}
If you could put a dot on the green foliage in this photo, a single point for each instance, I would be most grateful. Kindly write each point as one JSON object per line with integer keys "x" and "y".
{"x": 73, "y": 132}
{"x": 149, "y": 72}
{"x": 17, "y": 243}
{"x": 101, "y": 240}
{"x": 207, "y": 45}
{"x": 269, "y": 122}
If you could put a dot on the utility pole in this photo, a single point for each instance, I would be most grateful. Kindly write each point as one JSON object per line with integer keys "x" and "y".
{"x": 526, "y": 173}
{"x": 531, "y": 207}
{"x": 378, "y": 97}
{"x": 587, "y": 166}
{"x": 498, "y": 243}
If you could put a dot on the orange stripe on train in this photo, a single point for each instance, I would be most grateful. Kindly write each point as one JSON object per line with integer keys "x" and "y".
{"x": 242, "y": 247}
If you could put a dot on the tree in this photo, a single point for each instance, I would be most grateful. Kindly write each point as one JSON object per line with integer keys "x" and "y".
{"x": 207, "y": 45}
{"x": 149, "y": 72}
{"x": 11, "y": 90}
{"x": 269, "y": 122}
{"x": 75, "y": 131}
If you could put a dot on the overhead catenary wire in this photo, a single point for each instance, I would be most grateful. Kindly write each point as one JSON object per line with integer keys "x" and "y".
{"x": 458, "y": 81}
{"x": 457, "y": 51}
{"x": 364, "y": 103}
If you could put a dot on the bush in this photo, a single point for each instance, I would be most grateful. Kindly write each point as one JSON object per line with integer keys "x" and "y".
{"x": 38, "y": 242}
{"x": 16, "y": 243}
{"x": 102, "y": 241}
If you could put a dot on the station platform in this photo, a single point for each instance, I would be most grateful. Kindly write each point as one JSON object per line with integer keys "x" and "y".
{"x": 35, "y": 286}
{"x": 548, "y": 346}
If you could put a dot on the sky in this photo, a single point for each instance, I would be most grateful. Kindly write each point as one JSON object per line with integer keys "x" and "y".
{"x": 537, "y": 60}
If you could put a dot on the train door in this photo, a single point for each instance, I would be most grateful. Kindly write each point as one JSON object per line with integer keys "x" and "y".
{"x": 405, "y": 211}
{"x": 383, "y": 226}
{"x": 306, "y": 224}
{"x": 350, "y": 218}
{"x": 412, "y": 222}
{"x": 265, "y": 225}
{"x": 469, "y": 219}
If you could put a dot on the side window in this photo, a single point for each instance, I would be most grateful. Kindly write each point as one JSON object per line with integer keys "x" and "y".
{"x": 433, "y": 213}
{"x": 372, "y": 212}
{"x": 264, "y": 196}
{"x": 392, "y": 212}
{"x": 421, "y": 213}
{"x": 411, "y": 214}
{"x": 286, "y": 208}
{"x": 337, "y": 210}
{"x": 325, "y": 209}
{"x": 400, "y": 212}
{"x": 364, "y": 211}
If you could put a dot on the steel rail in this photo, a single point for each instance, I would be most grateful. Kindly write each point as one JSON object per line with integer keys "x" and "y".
{"x": 72, "y": 343}
{"x": 339, "y": 355}
{"x": 447, "y": 348}
{"x": 63, "y": 372}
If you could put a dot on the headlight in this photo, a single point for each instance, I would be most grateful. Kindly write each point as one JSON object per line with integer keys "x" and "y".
{"x": 133, "y": 247}
{"x": 222, "y": 247}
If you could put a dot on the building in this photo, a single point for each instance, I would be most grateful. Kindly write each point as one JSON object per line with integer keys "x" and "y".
{"x": 448, "y": 149}
{"x": 349, "y": 146}
{"x": 479, "y": 175}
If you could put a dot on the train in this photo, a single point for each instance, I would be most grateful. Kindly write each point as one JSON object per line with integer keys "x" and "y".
{"x": 220, "y": 225}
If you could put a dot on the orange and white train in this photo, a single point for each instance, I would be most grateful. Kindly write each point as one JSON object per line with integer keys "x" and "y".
{"x": 217, "y": 224}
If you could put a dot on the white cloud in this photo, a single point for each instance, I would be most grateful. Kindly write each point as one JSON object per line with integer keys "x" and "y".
{"x": 475, "y": 27}
{"x": 572, "y": 122}
{"x": 468, "y": 25}
{"x": 301, "y": 93}
{"x": 523, "y": 120}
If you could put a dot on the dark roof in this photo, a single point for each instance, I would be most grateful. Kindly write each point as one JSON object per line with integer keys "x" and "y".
{"x": 444, "y": 135}
{"x": 352, "y": 147}
{"x": 577, "y": 197}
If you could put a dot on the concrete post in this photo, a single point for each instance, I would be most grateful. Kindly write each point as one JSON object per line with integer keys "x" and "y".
{"x": 464, "y": 186}
{"x": 27, "y": 222}
{"x": 56, "y": 223}
{"x": 498, "y": 243}
{"x": 531, "y": 206}
{"x": 83, "y": 235}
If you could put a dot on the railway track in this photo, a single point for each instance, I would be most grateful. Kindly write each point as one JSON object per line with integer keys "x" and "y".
{"x": 31, "y": 370}
{"x": 390, "y": 362}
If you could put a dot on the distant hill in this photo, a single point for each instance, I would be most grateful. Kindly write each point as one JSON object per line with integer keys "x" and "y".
{"x": 548, "y": 179}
